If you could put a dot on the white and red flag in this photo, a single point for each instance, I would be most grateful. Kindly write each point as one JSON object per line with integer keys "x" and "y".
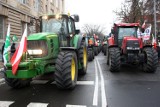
{"x": 16, "y": 58}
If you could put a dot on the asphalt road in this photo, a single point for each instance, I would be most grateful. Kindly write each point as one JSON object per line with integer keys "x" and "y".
{"x": 130, "y": 87}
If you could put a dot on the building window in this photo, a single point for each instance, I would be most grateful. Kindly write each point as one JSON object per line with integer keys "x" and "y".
{"x": 1, "y": 27}
{"x": 37, "y": 5}
{"x": 46, "y": 9}
{"x": 23, "y": 1}
{"x": 57, "y": 3}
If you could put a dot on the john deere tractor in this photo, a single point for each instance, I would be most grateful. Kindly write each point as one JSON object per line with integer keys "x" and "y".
{"x": 57, "y": 48}
{"x": 124, "y": 46}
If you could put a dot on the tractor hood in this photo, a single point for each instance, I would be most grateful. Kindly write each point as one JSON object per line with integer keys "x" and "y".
{"x": 40, "y": 36}
{"x": 130, "y": 42}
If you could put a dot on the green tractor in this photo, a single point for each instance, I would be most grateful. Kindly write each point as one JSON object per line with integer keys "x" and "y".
{"x": 56, "y": 49}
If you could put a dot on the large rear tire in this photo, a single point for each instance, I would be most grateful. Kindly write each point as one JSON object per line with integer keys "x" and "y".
{"x": 114, "y": 59}
{"x": 83, "y": 58}
{"x": 66, "y": 70}
{"x": 150, "y": 60}
{"x": 96, "y": 51}
{"x": 17, "y": 83}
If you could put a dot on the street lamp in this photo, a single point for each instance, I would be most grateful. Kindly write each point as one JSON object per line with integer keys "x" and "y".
{"x": 155, "y": 20}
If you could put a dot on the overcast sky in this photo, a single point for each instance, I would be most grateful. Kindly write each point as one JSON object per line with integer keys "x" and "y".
{"x": 94, "y": 11}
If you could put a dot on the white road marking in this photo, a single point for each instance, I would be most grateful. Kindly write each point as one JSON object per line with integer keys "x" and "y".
{"x": 39, "y": 81}
{"x": 81, "y": 82}
{"x": 37, "y": 104}
{"x": 5, "y": 103}
{"x": 103, "y": 94}
{"x": 85, "y": 82}
{"x": 75, "y": 105}
{"x": 95, "y": 96}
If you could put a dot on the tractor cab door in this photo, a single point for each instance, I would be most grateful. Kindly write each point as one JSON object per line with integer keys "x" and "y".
{"x": 63, "y": 34}
{"x": 71, "y": 30}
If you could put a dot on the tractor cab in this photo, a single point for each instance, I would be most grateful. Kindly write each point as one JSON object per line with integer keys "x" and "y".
{"x": 62, "y": 25}
{"x": 123, "y": 30}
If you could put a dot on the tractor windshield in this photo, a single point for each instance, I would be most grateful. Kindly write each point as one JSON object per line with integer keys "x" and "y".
{"x": 131, "y": 31}
{"x": 54, "y": 25}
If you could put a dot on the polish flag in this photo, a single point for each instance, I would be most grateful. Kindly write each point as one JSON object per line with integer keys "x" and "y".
{"x": 16, "y": 58}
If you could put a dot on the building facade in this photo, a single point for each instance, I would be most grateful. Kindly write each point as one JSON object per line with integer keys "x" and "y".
{"x": 18, "y": 13}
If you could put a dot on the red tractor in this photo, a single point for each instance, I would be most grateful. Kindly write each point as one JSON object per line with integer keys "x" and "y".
{"x": 124, "y": 46}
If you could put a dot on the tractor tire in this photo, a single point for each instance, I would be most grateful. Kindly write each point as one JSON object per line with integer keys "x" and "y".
{"x": 104, "y": 49}
{"x": 90, "y": 55}
{"x": 66, "y": 70}
{"x": 114, "y": 59}
{"x": 82, "y": 52}
{"x": 93, "y": 54}
{"x": 96, "y": 51}
{"x": 107, "y": 55}
{"x": 150, "y": 60}
{"x": 17, "y": 83}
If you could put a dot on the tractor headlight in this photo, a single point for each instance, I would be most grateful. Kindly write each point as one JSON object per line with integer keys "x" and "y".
{"x": 35, "y": 52}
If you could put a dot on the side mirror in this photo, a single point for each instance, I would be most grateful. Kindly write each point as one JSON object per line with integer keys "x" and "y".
{"x": 77, "y": 31}
{"x": 76, "y": 18}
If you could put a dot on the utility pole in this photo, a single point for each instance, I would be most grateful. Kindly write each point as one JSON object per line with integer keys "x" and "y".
{"x": 155, "y": 21}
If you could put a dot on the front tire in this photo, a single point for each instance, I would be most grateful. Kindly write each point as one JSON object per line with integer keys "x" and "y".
{"x": 66, "y": 70}
{"x": 150, "y": 60}
{"x": 90, "y": 54}
{"x": 114, "y": 59}
{"x": 17, "y": 83}
{"x": 83, "y": 58}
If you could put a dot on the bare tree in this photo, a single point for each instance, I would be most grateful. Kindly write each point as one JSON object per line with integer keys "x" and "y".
{"x": 132, "y": 11}
{"x": 90, "y": 30}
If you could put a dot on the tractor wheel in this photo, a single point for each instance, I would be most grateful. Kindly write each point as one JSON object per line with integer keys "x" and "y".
{"x": 90, "y": 55}
{"x": 114, "y": 59}
{"x": 107, "y": 55}
{"x": 96, "y": 51}
{"x": 66, "y": 70}
{"x": 82, "y": 52}
{"x": 17, "y": 83}
{"x": 104, "y": 49}
{"x": 150, "y": 60}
